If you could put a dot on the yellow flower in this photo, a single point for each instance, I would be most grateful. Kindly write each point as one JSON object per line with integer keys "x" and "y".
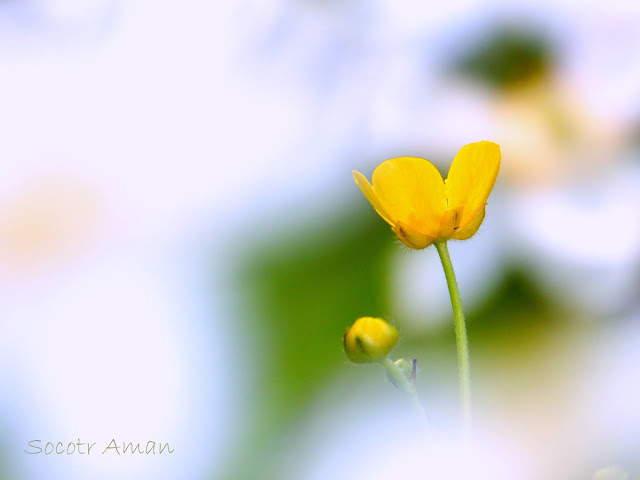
{"x": 369, "y": 340}
{"x": 410, "y": 195}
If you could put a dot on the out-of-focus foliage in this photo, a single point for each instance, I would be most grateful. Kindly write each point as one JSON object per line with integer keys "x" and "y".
{"x": 508, "y": 58}
{"x": 304, "y": 292}
{"x": 514, "y": 316}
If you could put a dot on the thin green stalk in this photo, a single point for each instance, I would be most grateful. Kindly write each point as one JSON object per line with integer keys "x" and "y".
{"x": 406, "y": 384}
{"x": 462, "y": 342}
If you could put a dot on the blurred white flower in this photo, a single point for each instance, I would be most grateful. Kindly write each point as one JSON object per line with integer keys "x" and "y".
{"x": 352, "y": 436}
{"x": 582, "y": 240}
{"x": 72, "y": 11}
{"x": 612, "y": 391}
{"x": 45, "y": 223}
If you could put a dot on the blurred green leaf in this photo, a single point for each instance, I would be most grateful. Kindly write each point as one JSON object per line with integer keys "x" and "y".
{"x": 509, "y": 58}
{"x": 305, "y": 290}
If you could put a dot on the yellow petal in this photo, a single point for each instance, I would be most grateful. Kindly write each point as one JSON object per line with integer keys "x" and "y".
{"x": 367, "y": 189}
{"x": 412, "y": 238}
{"x": 471, "y": 178}
{"x": 411, "y": 190}
{"x": 471, "y": 228}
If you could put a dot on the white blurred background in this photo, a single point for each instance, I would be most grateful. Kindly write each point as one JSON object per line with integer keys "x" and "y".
{"x": 146, "y": 147}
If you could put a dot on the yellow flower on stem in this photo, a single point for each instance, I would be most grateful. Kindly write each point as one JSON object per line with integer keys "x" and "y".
{"x": 410, "y": 195}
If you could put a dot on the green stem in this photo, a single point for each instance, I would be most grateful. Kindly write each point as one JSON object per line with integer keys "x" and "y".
{"x": 407, "y": 385}
{"x": 462, "y": 342}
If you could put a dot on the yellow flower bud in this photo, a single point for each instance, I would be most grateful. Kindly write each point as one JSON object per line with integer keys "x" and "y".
{"x": 369, "y": 340}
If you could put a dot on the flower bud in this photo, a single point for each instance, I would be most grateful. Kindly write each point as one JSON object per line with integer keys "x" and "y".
{"x": 369, "y": 340}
